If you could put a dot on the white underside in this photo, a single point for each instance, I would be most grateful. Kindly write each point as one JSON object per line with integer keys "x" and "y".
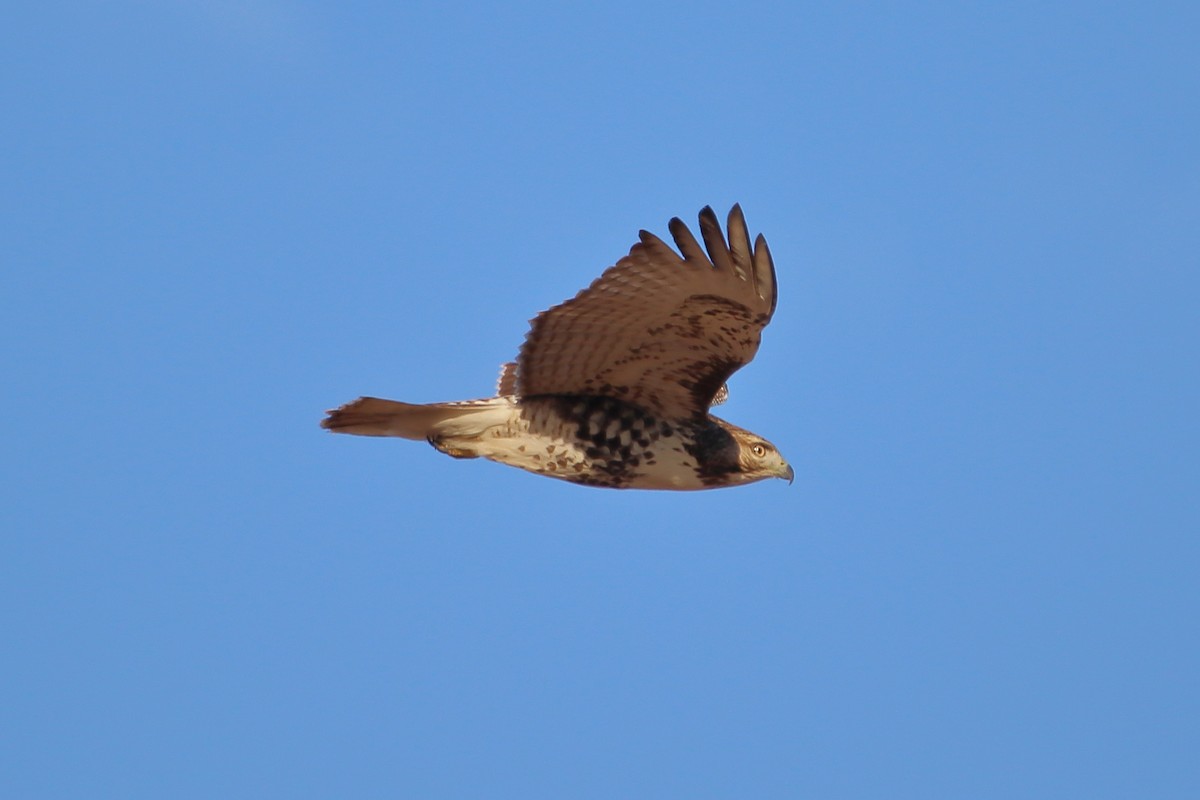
{"x": 500, "y": 433}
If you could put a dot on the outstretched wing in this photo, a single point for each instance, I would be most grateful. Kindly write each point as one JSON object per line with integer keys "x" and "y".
{"x": 659, "y": 330}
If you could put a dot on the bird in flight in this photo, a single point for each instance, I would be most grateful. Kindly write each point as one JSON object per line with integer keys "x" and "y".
{"x": 613, "y": 387}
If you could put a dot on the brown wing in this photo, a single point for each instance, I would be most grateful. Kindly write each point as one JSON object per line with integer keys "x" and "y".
{"x": 506, "y": 384}
{"x": 656, "y": 329}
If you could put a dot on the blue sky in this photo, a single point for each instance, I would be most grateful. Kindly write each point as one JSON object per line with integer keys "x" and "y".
{"x": 220, "y": 219}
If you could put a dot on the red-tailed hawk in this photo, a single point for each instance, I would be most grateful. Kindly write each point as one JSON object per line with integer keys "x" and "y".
{"x": 613, "y": 387}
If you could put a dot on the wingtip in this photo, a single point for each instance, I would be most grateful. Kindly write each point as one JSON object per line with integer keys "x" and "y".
{"x": 765, "y": 281}
{"x": 736, "y": 220}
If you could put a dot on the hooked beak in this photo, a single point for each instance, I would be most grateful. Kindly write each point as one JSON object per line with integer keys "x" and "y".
{"x": 788, "y": 473}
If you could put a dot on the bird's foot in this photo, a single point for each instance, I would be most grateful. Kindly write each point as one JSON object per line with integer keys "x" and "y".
{"x": 453, "y": 452}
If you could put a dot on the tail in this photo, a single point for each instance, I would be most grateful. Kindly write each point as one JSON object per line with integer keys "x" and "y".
{"x": 371, "y": 416}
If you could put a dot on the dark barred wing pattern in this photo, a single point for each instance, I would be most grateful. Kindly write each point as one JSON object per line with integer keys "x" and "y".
{"x": 657, "y": 329}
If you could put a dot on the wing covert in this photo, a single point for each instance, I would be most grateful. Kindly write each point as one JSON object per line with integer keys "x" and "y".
{"x": 660, "y": 329}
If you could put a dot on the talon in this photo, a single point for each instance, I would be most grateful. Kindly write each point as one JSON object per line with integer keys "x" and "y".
{"x": 453, "y": 452}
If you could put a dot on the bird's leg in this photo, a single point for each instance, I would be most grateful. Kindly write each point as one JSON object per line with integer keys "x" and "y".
{"x": 454, "y": 452}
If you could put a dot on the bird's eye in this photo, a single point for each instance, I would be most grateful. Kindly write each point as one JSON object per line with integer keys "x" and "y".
{"x": 759, "y": 450}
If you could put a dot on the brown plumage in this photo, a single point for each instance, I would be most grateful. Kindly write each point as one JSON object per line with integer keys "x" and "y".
{"x": 613, "y": 387}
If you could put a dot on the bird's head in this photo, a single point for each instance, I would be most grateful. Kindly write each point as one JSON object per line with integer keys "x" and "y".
{"x": 759, "y": 458}
{"x": 756, "y": 457}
